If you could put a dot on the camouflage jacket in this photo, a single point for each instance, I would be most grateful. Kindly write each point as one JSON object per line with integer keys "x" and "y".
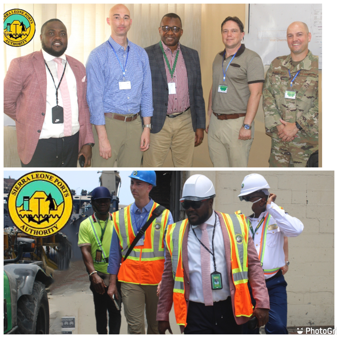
{"x": 304, "y": 108}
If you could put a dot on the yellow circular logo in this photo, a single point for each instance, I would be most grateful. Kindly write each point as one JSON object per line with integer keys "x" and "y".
{"x": 40, "y": 203}
{"x": 19, "y": 27}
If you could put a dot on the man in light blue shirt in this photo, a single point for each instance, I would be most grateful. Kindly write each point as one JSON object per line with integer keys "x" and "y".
{"x": 141, "y": 271}
{"x": 119, "y": 93}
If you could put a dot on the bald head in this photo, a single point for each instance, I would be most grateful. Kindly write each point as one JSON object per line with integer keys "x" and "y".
{"x": 299, "y": 24}
{"x": 298, "y": 38}
{"x": 120, "y": 21}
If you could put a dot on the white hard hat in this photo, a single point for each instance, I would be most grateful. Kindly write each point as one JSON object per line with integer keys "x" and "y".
{"x": 198, "y": 187}
{"x": 252, "y": 183}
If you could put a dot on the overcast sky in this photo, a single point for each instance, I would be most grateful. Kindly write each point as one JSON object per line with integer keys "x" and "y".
{"x": 86, "y": 179}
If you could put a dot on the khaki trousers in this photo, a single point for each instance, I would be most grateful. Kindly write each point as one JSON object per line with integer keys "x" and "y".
{"x": 124, "y": 138}
{"x": 225, "y": 147}
{"x": 176, "y": 135}
{"x": 135, "y": 299}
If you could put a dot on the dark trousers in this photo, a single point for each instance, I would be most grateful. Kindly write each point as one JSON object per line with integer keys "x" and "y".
{"x": 277, "y": 323}
{"x": 104, "y": 303}
{"x": 216, "y": 319}
{"x": 55, "y": 152}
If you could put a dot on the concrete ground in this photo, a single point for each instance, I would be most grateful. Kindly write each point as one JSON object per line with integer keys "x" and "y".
{"x": 70, "y": 296}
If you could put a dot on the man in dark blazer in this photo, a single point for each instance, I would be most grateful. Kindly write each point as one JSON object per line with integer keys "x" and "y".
{"x": 52, "y": 130}
{"x": 178, "y": 120}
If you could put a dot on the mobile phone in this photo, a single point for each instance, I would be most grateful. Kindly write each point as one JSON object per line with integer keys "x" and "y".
{"x": 81, "y": 160}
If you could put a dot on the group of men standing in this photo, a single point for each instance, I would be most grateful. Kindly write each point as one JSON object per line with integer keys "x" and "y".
{"x": 222, "y": 272}
{"x": 145, "y": 103}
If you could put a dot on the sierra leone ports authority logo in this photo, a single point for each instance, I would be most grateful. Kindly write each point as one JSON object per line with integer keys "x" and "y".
{"x": 19, "y": 27}
{"x": 40, "y": 203}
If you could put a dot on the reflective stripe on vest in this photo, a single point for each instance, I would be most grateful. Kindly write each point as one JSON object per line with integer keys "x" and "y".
{"x": 263, "y": 242}
{"x": 98, "y": 240}
{"x": 238, "y": 236}
{"x": 174, "y": 243}
{"x": 150, "y": 254}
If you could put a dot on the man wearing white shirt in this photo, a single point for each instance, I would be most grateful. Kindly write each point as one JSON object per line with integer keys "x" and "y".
{"x": 45, "y": 93}
{"x": 268, "y": 226}
{"x": 205, "y": 276}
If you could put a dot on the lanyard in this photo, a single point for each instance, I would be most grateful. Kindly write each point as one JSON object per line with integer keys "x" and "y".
{"x": 257, "y": 227}
{"x": 211, "y": 252}
{"x": 57, "y": 88}
{"x": 102, "y": 230}
{"x": 126, "y": 61}
{"x": 167, "y": 61}
{"x": 223, "y": 59}
{"x": 292, "y": 80}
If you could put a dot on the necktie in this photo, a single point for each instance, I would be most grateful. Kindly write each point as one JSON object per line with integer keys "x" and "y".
{"x": 205, "y": 267}
{"x": 65, "y": 98}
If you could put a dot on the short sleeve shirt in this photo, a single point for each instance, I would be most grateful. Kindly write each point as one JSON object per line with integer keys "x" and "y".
{"x": 86, "y": 237}
{"x": 246, "y": 68}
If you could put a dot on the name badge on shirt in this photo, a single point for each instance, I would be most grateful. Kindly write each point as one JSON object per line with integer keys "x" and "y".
{"x": 57, "y": 115}
{"x": 223, "y": 88}
{"x": 216, "y": 280}
{"x": 290, "y": 94}
{"x": 125, "y": 85}
{"x": 172, "y": 88}
{"x": 272, "y": 227}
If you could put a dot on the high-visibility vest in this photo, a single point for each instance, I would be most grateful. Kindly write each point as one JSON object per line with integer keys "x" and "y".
{"x": 238, "y": 237}
{"x": 145, "y": 264}
{"x": 263, "y": 241}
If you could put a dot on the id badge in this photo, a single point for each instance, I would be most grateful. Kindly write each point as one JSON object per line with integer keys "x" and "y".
{"x": 98, "y": 256}
{"x": 57, "y": 115}
{"x": 125, "y": 85}
{"x": 172, "y": 88}
{"x": 223, "y": 88}
{"x": 216, "y": 280}
{"x": 290, "y": 94}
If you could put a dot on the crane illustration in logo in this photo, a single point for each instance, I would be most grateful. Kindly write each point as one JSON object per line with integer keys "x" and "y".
{"x": 40, "y": 208}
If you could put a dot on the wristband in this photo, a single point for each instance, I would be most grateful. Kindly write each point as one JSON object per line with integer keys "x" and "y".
{"x": 92, "y": 273}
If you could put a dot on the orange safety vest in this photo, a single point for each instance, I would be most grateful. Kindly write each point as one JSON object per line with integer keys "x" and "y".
{"x": 145, "y": 264}
{"x": 238, "y": 236}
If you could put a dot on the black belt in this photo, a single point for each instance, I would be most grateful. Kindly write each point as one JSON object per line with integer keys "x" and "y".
{"x": 176, "y": 115}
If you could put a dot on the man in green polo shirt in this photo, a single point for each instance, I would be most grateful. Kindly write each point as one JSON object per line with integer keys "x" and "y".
{"x": 94, "y": 239}
{"x": 238, "y": 77}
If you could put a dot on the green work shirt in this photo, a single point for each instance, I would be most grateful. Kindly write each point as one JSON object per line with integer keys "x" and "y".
{"x": 86, "y": 237}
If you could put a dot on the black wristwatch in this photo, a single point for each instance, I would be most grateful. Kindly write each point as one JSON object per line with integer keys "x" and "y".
{"x": 298, "y": 126}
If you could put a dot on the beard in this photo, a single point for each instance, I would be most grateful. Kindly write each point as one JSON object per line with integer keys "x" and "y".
{"x": 53, "y": 52}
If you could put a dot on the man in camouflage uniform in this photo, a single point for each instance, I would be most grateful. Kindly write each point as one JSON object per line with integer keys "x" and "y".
{"x": 290, "y": 101}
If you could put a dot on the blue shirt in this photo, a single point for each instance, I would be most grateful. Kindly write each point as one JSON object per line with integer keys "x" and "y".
{"x": 104, "y": 73}
{"x": 138, "y": 219}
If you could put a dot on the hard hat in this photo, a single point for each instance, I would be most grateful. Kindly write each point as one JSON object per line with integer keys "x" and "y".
{"x": 100, "y": 193}
{"x": 252, "y": 183}
{"x": 147, "y": 176}
{"x": 198, "y": 187}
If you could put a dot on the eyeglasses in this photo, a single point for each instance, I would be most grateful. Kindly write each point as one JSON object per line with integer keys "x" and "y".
{"x": 249, "y": 198}
{"x": 174, "y": 29}
{"x": 186, "y": 204}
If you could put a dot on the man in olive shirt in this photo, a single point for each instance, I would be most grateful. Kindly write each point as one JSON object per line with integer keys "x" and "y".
{"x": 238, "y": 77}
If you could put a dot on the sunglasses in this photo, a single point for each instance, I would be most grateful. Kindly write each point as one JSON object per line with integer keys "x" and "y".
{"x": 249, "y": 198}
{"x": 186, "y": 204}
